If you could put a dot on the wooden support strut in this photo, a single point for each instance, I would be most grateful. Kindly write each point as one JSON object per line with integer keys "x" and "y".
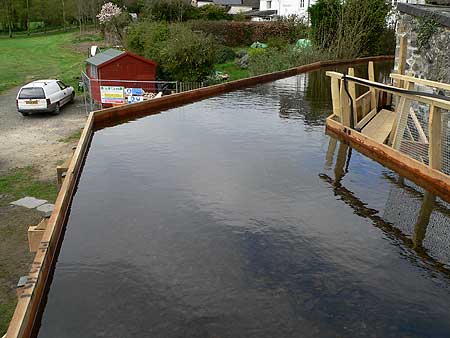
{"x": 435, "y": 127}
{"x": 402, "y": 112}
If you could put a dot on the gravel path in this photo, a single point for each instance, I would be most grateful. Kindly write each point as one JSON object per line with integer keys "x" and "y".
{"x": 37, "y": 140}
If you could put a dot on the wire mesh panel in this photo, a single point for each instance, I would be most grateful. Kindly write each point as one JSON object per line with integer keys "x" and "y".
{"x": 414, "y": 128}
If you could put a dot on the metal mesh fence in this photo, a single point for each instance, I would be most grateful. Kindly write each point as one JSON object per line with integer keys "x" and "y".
{"x": 414, "y": 129}
{"x": 133, "y": 91}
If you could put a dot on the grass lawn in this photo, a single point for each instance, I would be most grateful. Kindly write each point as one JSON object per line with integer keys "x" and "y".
{"x": 24, "y": 59}
{"x": 14, "y": 221}
{"x": 233, "y": 70}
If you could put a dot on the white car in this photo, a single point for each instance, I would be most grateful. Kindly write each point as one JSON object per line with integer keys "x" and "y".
{"x": 43, "y": 96}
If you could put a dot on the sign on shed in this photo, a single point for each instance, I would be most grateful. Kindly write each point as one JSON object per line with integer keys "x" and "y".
{"x": 112, "y": 94}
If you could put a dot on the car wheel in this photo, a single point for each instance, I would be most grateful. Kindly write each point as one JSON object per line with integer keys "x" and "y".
{"x": 57, "y": 109}
{"x": 72, "y": 98}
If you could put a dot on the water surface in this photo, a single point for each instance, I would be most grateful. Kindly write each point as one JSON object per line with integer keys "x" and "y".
{"x": 237, "y": 216}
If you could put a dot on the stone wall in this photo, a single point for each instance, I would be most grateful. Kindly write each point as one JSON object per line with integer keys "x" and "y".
{"x": 429, "y": 60}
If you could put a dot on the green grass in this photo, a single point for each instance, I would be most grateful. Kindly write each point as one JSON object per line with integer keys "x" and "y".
{"x": 232, "y": 70}
{"x": 73, "y": 137}
{"x": 20, "y": 182}
{"x": 24, "y": 59}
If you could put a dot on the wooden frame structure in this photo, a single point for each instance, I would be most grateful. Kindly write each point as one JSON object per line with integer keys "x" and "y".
{"x": 378, "y": 132}
{"x": 30, "y": 295}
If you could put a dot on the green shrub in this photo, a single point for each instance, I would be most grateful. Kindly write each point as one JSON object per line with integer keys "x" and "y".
{"x": 272, "y": 60}
{"x": 236, "y": 33}
{"x": 350, "y": 28}
{"x": 276, "y": 42}
{"x": 167, "y": 10}
{"x": 182, "y": 55}
{"x": 211, "y": 12}
{"x": 224, "y": 54}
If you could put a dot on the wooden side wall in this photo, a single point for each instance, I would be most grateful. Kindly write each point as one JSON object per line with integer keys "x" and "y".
{"x": 435, "y": 181}
{"x": 29, "y": 301}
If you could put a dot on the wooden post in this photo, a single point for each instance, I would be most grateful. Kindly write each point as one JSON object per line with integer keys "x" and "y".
{"x": 373, "y": 91}
{"x": 352, "y": 91}
{"x": 335, "y": 95}
{"x": 403, "y": 49}
{"x": 402, "y": 112}
{"x": 330, "y": 152}
{"x": 420, "y": 229}
{"x": 345, "y": 106}
{"x": 339, "y": 169}
{"x": 435, "y": 128}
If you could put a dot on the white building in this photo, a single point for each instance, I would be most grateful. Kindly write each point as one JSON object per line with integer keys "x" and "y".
{"x": 287, "y": 7}
{"x": 300, "y": 7}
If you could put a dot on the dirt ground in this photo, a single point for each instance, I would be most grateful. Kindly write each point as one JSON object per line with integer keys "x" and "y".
{"x": 37, "y": 140}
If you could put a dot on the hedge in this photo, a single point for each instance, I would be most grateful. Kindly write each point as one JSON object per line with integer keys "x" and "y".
{"x": 237, "y": 33}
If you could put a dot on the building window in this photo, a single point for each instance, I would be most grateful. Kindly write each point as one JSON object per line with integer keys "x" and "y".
{"x": 269, "y": 4}
{"x": 302, "y": 3}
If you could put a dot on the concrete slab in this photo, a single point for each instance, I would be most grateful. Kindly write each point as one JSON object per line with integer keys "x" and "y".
{"x": 29, "y": 202}
{"x": 46, "y": 208}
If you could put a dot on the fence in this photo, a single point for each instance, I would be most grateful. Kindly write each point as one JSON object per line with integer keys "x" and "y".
{"x": 94, "y": 95}
{"x": 425, "y": 129}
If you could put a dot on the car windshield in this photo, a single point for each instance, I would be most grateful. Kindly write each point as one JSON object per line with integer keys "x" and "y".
{"x": 32, "y": 93}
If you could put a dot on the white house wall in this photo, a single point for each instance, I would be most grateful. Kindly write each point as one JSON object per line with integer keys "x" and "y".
{"x": 287, "y": 7}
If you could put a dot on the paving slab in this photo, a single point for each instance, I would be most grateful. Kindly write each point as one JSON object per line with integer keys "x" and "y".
{"x": 29, "y": 202}
{"x": 46, "y": 208}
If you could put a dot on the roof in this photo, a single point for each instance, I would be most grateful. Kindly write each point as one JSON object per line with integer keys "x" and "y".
{"x": 111, "y": 55}
{"x": 39, "y": 83}
{"x": 266, "y": 13}
{"x": 105, "y": 56}
{"x": 251, "y": 3}
{"x": 440, "y": 13}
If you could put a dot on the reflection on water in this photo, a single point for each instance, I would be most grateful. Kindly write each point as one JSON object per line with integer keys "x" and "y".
{"x": 237, "y": 216}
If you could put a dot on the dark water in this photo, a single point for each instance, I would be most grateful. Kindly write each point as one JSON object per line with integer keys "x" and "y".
{"x": 237, "y": 216}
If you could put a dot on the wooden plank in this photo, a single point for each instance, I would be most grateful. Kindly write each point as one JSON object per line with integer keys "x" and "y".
{"x": 435, "y": 126}
{"x": 435, "y": 181}
{"x": 361, "y": 124}
{"x": 380, "y": 126}
{"x": 345, "y": 106}
{"x": 402, "y": 112}
{"x": 403, "y": 50}
{"x": 335, "y": 96}
{"x": 429, "y": 83}
{"x": 373, "y": 91}
{"x": 352, "y": 92}
{"x": 422, "y": 135}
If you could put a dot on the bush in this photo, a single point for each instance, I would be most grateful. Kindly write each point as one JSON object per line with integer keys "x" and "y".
{"x": 224, "y": 54}
{"x": 350, "y": 28}
{"x": 236, "y": 33}
{"x": 182, "y": 55}
{"x": 167, "y": 10}
{"x": 211, "y": 12}
{"x": 272, "y": 59}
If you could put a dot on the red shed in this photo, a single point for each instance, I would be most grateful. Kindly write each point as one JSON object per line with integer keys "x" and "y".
{"x": 122, "y": 67}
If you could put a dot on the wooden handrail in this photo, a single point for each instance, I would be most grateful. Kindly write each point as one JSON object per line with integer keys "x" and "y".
{"x": 429, "y": 83}
{"x": 438, "y": 103}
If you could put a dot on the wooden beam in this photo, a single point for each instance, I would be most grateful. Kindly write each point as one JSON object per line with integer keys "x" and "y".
{"x": 403, "y": 50}
{"x": 330, "y": 152}
{"x": 335, "y": 96}
{"x": 433, "y": 180}
{"x": 373, "y": 91}
{"x": 435, "y": 127}
{"x": 352, "y": 91}
{"x": 345, "y": 106}
{"x": 423, "y": 82}
{"x": 366, "y": 119}
{"x": 402, "y": 112}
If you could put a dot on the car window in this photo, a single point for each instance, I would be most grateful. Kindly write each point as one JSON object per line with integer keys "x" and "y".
{"x": 61, "y": 85}
{"x": 32, "y": 93}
